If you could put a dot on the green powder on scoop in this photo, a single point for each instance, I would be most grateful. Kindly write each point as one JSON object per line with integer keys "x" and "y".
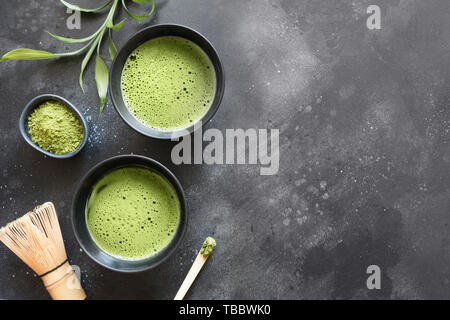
{"x": 208, "y": 247}
{"x": 55, "y": 127}
{"x": 132, "y": 213}
{"x": 168, "y": 83}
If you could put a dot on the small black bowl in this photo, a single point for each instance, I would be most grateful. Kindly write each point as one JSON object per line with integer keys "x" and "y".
{"x": 79, "y": 214}
{"x": 36, "y": 102}
{"x": 139, "y": 38}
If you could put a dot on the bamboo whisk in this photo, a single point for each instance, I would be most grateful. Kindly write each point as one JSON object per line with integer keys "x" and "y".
{"x": 37, "y": 240}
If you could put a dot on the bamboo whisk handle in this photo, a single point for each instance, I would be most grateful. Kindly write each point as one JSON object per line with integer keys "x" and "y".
{"x": 62, "y": 284}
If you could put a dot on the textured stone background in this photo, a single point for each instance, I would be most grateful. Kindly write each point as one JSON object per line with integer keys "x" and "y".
{"x": 364, "y": 141}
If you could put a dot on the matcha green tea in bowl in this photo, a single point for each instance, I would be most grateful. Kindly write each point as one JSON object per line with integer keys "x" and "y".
{"x": 132, "y": 213}
{"x": 168, "y": 83}
{"x": 129, "y": 213}
{"x": 53, "y": 126}
{"x": 166, "y": 80}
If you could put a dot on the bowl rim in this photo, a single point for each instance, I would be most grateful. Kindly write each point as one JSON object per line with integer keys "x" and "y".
{"x": 163, "y": 170}
{"x": 220, "y": 91}
{"x": 35, "y": 103}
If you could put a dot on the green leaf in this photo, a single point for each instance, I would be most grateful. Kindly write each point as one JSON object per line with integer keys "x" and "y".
{"x": 117, "y": 26}
{"x": 28, "y": 54}
{"x": 72, "y": 40}
{"x": 135, "y": 16}
{"x": 88, "y": 57}
{"x": 142, "y": 1}
{"x": 74, "y": 7}
{"x": 72, "y": 53}
{"x": 112, "y": 47}
{"x": 102, "y": 81}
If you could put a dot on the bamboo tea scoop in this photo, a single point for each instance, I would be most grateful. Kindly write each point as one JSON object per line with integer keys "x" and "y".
{"x": 37, "y": 240}
{"x": 202, "y": 256}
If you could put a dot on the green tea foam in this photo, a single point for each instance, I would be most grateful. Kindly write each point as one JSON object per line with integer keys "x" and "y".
{"x": 168, "y": 83}
{"x": 132, "y": 213}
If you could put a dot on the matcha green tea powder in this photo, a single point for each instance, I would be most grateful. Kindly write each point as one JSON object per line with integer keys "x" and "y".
{"x": 55, "y": 127}
{"x": 208, "y": 247}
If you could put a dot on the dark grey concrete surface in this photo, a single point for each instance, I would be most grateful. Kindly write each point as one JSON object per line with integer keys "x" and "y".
{"x": 364, "y": 125}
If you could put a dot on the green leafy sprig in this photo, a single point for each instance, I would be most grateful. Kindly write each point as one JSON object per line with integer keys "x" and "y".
{"x": 92, "y": 44}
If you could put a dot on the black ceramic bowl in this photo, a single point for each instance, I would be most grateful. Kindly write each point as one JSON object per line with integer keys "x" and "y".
{"x": 79, "y": 214}
{"x": 148, "y": 34}
{"x": 36, "y": 102}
